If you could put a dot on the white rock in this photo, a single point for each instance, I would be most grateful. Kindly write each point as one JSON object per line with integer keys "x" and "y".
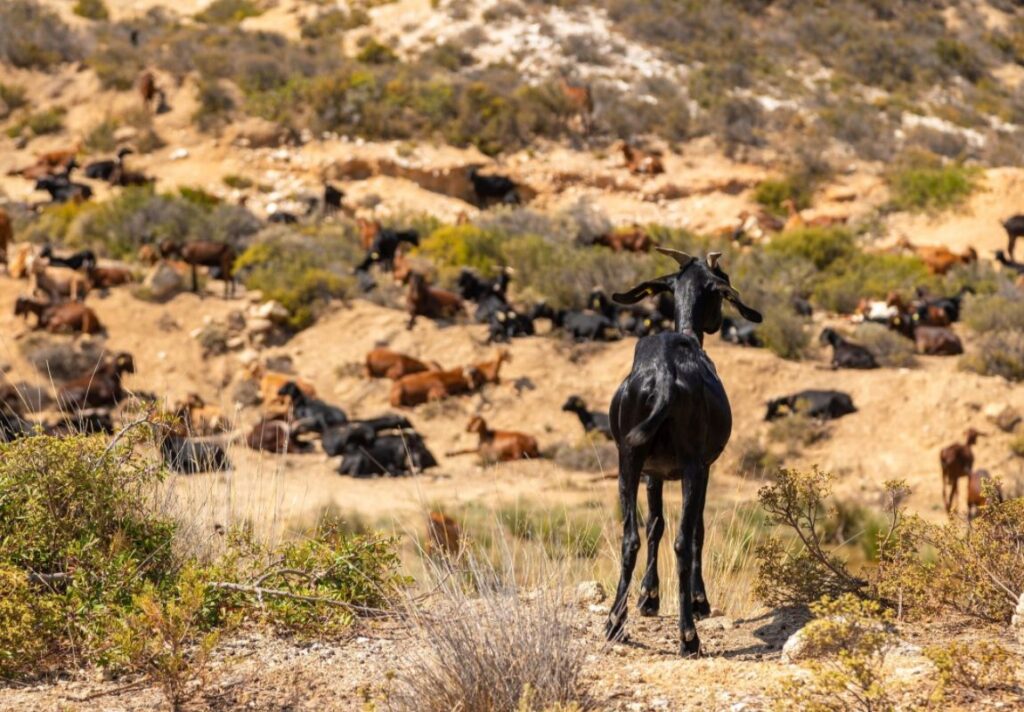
{"x": 179, "y": 154}
{"x": 590, "y": 593}
{"x": 1004, "y": 415}
{"x": 273, "y": 310}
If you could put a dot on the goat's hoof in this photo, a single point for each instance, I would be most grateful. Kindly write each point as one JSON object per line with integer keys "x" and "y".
{"x": 648, "y": 606}
{"x": 701, "y": 610}
{"x": 614, "y": 630}
{"x": 690, "y": 648}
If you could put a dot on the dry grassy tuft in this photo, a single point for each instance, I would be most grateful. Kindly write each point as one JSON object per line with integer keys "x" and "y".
{"x": 487, "y": 646}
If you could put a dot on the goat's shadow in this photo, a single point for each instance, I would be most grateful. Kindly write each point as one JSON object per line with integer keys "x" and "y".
{"x": 776, "y": 627}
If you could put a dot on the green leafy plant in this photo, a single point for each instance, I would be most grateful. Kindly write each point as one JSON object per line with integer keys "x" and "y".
{"x": 91, "y": 9}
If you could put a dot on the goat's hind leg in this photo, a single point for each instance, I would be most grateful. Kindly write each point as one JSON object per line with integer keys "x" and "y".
{"x": 684, "y": 546}
{"x": 701, "y": 606}
{"x": 630, "y": 463}
{"x": 650, "y": 600}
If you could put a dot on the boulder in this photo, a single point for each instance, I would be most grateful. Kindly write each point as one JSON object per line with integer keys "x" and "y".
{"x": 1004, "y": 415}
{"x": 163, "y": 282}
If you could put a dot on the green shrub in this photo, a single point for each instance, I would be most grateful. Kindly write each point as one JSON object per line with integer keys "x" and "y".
{"x": 925, "y": 188}
{"x": 887, "y": 346}
{"x": 100, "y": 138}
{"x": 91, "y": 9}
{"x": 40, "y": 123}
{"x": 215, "y": 105}
{"x": 845, "y": 649}
{"x": 772, "y": 193}
{"x": 783, "y": 332}
{"x": 994, "y": 312}
{"x": 453, "y": 247}
{"x": 224, "y": 12}
{"x": 373, "y": 52}
{"x": 304, "y": 273}
{"x": 12, "y": 98}
{"x": 562, "y": 533}
{"x": 973, "y": 668}
{"x": 30, "y": 625}
{"x": 821, "y": 246}
{"x": 237, "y": 182}
{"x": 865, "y": 275}
{"x": 117, "y": 65}
{"x": 333, "y": 22}
{"x": 997, "y": 353}
{"x": 34, "y": 37}
{"x": 803, "y": 572}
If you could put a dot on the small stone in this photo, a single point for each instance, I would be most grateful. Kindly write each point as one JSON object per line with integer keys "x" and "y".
{"x": 1004, "y": 415}
{"x": 590, "y": 593}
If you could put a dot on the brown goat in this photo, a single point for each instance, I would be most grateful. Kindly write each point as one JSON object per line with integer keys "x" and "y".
{"x": 146, "y": 86}
{"x": 273, "y": 436}
{"x": 107, "y": 277}
{"x": 6, "y": 234}
{"x": 937, "y": 341}
{"x": 502, "y": 445}
{"x": 423, "y": 300}
{"x": 101, "y": 389}
{"x": 205, "y": 253}
{"x": 57, "y": 283}
{"x": 957, "y": 461}
{"x": 490, "y": 370}
{"x": 795, "y": 221}
{"x": 58, "y": 318}
{"x": 939, "y": 259}
{"x": 202, "y": 419}
{"x": 580, "y": 100}
{"x": 630, "y": 239}
{"x": 49, "y": 163}
{"x": 640, "y": 161}
{"x": 385, "y": 363}
{"x": 976, "y": 492}
{"x": 444, "y": 535}
{"x": 419, "y": 388}
{"x": 368, "y": 230}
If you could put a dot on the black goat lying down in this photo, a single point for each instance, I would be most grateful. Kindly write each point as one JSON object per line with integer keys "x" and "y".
{"x": 311, "y": 415}
{"x": 846, "y": 354}
{"x": 393, "y": 455}
{"x": 336, "y": 439}
{"x": 671, "y": 420}
{"x": 189, "y": 456}
{"x": 823, "y": 405}
{"x": 592, "y": 420}
{"x": 741, "y": 333}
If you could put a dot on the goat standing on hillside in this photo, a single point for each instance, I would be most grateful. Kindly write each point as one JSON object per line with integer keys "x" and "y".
{"x": 671, "y": 420}
{"x": 957, "y": 461}
{"x": 205, "y": 253}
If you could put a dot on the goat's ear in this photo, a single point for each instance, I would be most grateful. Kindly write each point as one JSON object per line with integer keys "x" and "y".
{"x": 734, "y": 297}
{"x": 644, "y": 289}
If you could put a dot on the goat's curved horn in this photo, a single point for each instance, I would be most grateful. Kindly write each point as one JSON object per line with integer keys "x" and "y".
{"x": 713, "y": 259}
{"x": 681, "y": 257}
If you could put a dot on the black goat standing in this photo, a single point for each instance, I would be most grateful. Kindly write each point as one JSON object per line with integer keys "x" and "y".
{"x": 385, "y": 245}
{"x": 491, "y": 189}
{"x": 1014, "y": 227}
{"x": 671, "y": 420}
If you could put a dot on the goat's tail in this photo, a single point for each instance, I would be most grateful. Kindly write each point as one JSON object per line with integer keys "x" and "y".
{"x": 646, "y": 429}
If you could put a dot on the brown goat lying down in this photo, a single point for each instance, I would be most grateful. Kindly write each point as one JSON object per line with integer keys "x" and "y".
{"x": 274, "y": 436}
{"x": 433, "y": 303}
{"x": 57, "y": 318}
{"x": 501, "y": 445}
{"x": 385, "y": 363}
{"x": 434, "y": 385}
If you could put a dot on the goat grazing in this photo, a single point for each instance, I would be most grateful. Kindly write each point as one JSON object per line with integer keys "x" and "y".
{"x": 671, "y": 420}
{"x": 1014, "y": 227}
{"x": 957, "y": 460}
{"x": 593, "y": 421}
{"x": 823, "y": 405}
{"x": 846, "y": 354}
{"x": 205, "y": 253}
{"x": 57, "y": 318}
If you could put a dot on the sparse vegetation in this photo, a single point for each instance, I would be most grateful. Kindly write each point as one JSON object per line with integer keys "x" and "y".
{"x": 34, "y": 37}
{"x": 221, "y": 12}
{"x": 12, "y": 98}
{"x": 889, "y": 348}
{"x": 91, "y": 9}
{"x": 998, "y": 353}
{"x": 928, "y": 187}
